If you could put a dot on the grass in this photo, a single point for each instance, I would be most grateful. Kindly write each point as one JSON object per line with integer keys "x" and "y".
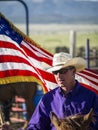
{"x": 50, "y": 36}
{"x": 52, "y": 40}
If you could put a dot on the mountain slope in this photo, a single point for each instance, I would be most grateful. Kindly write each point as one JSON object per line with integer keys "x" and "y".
{"x": 52, "y": 11}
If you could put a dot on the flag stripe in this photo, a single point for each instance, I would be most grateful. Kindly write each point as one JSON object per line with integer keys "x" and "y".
{"x": 90, "y": 87}
{"x": 14, "y": 72}
{"x": 90, "y": 73}
{"x": 47, "y": 76}
{"x": 86, "y": 82}
{"x": 91, "y": 79}
{"x": 36, "y": 54}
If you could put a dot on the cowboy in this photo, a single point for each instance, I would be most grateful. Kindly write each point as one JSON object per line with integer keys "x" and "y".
{"x": 68, "y": 98}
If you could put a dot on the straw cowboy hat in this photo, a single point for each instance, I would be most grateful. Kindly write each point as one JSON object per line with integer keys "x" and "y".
{"x": 62, "y": 60}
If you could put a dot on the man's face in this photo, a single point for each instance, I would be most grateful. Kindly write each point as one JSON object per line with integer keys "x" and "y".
{"x": 65, "y": 77}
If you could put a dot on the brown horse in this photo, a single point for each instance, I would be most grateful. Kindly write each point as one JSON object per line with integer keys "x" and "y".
{"x": 74, "y": 122}
{"x": 27, "y": 90}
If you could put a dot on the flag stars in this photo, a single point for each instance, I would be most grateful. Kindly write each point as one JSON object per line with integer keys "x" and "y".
{"x": 2, "y": 26}
{"x": 7, "y": 32}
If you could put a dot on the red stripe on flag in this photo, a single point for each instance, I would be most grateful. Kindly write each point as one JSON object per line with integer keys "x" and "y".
{"x": 90, "y": 73}
{"x": 89, "y": 77}
{"x": 36, "y": 54}
{"x": 47, "y": 76}
{"x": 14, "y": 72}
{"x": 89, "y": 87}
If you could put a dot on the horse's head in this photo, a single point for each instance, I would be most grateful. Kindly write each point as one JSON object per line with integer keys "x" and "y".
{"x": 61, "y": 124}
{"x": 74, "y": 122}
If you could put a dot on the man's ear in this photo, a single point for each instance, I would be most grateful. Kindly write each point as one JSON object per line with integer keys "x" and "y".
{"x": 74, "y": 71}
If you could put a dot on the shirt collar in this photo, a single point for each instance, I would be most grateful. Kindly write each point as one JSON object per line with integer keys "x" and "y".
{"x": 73, "y": 92}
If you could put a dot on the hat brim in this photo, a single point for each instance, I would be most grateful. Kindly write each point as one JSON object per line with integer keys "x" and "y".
{"x": 78, "y": 62}
{"x": 55, "y": 68}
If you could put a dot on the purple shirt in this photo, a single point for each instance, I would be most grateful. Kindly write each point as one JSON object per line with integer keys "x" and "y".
{"x": 79, "y": 100}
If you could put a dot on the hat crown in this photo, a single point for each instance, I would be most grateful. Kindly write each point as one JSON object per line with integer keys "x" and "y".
{"x": 61, "y": 58}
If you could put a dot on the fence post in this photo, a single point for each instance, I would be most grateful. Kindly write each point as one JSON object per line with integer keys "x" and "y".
{"x": 73, "y": 43}
{"x": 87, "y": 53}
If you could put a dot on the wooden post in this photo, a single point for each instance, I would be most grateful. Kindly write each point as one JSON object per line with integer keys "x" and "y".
{"x": 72, "y": 43}
{"x": 87, "y": 54}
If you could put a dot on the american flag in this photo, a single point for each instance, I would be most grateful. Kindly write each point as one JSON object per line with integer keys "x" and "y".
{"x": 21, "y": 59}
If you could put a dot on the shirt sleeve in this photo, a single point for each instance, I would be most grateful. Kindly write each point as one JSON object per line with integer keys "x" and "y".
{"x": 40, "y": 119}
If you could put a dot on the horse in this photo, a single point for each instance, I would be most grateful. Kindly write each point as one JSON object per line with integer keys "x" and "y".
{"x": 73, "y": 122}
{"x": 26, "y": 90}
